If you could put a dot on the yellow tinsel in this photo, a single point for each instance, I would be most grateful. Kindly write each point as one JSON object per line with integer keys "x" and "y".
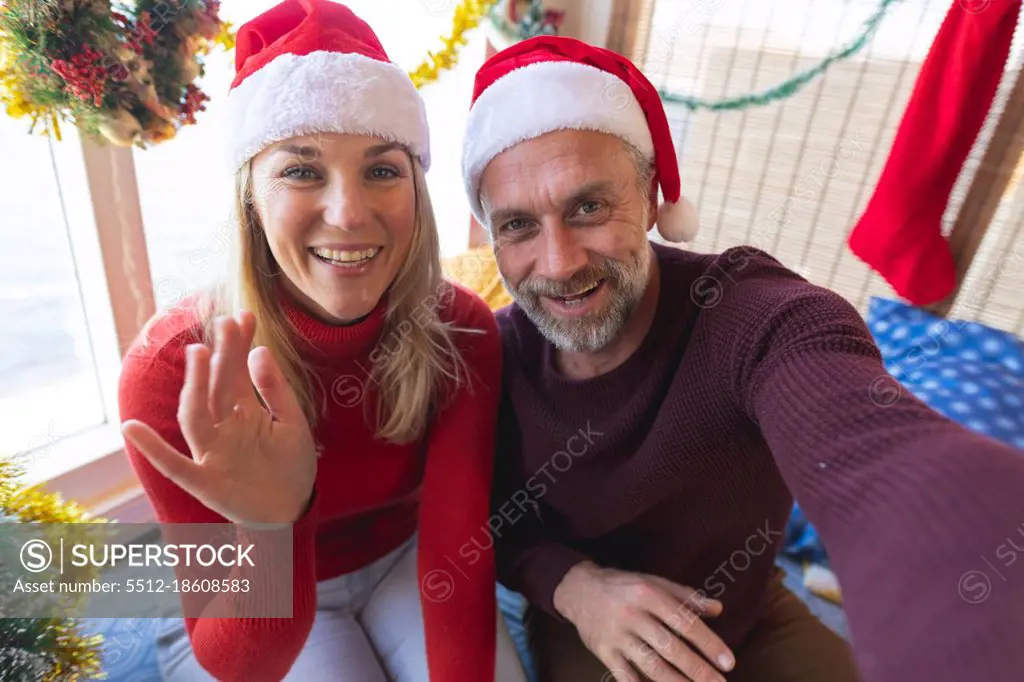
{"x": 11, "y": 95}
{"x": 34, "y": 505}
{"x": 226, "y": 37}
{"x": 477, "y": 270}
{"x": 467, "y": 17}
{"x": 75, "y": 657}
{"x": 13, "y": 99}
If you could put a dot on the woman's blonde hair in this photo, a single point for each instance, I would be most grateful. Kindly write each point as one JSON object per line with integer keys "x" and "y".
{"x": 408, "y": 378}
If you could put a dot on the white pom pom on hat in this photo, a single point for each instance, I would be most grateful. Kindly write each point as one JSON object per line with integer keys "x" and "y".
{"x": 678, "y": 221}
{"x": 550, "y": 83}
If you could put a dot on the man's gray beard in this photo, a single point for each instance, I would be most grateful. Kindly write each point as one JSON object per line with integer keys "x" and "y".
{"x": 626, "y": 282}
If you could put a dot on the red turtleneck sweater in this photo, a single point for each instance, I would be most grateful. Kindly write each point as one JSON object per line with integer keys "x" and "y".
{"x": 369, "y": 496}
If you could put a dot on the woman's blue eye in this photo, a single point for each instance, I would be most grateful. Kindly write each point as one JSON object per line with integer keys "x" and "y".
{"x": 300, "y": 172}
{"x": 383, "y": 173}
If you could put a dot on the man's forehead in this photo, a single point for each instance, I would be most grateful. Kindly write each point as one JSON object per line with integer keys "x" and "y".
{"x": 563, "y": 143}
{"x": 555, "y": 176}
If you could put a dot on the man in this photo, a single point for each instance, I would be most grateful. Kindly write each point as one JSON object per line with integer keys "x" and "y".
{"x": 662, "y": 407}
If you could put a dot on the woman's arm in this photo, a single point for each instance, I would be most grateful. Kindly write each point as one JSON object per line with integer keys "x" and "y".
{"x": 456, "y": 558}
{"x": 229, "y": 648}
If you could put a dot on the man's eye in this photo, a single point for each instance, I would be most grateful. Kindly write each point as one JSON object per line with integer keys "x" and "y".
{"x": 299, "y": 173}
{"x": 588, "y": 207}
{"x": 514, "y": 225}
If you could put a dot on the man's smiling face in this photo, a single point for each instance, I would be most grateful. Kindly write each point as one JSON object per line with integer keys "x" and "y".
{"x": 568, "y": 213}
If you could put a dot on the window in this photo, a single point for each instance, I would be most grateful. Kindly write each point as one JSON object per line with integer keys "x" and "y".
{"x": 49, "y": 388}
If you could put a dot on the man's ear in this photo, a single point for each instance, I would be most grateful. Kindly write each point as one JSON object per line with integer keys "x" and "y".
{"x": 652, "y": 201}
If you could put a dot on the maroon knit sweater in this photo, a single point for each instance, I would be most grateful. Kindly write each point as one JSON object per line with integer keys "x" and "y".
{"x": 753, "y": 385}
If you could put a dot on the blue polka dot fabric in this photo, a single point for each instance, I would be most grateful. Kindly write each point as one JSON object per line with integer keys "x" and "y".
{"x": 967, "y": 371}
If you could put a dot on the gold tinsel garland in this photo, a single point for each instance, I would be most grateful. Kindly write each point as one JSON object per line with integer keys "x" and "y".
{"x": 468, "y": 15}
{"x": 76, "y": 656}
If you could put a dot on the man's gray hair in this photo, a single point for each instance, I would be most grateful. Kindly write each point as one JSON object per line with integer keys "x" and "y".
{"x": 644, "y": 169}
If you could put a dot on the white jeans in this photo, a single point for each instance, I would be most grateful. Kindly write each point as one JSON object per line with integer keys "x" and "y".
{"x": 368, "y": 628}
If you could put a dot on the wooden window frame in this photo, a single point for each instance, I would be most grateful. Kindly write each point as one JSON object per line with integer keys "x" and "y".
{"x": 105, "y": 228}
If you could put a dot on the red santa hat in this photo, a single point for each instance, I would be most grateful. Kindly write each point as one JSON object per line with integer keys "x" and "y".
{"x": 550, "y": 83}
{"x": 313, "y": 66}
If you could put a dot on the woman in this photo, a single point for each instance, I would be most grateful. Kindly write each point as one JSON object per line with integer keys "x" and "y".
{"x": 333, "y": 382}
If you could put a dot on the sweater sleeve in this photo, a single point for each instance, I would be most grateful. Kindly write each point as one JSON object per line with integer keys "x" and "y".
{"x": 531, "y": 559}
{"x": 228, "y": 648}
{"x": 911, "y": 506}
{"x": 455, "y": 556}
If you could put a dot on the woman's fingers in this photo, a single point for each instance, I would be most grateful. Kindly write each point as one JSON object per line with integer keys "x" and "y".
{"x": 222, "y": 399}
{"x": 230, "y": 384}
{"x": 164, "y": 458}
{"x": 247, "y": 324}
{"x": 197, "y": 423}
{"x": 247, "y": 332}
{"x": 277, "y": 394}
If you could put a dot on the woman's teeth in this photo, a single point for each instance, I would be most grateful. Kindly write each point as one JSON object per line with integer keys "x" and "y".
{"x": 346, "y": 258}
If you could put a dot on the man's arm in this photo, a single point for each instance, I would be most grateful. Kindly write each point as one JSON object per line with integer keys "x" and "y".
{"x": 911, "y": 506}
{"x": 617, "y": 613}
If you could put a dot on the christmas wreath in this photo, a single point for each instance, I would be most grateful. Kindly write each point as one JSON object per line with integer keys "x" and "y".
{"x": 522, "y": 19}
{"x": 124, "y": 74}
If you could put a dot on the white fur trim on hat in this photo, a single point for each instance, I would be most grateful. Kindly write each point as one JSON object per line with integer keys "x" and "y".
{"x": 326, "y": 92}
{"x": 541, "y": 98}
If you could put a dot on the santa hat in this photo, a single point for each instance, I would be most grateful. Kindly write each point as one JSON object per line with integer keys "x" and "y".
{"x": 550, "y": 83}
{"x": 313, "y": 66}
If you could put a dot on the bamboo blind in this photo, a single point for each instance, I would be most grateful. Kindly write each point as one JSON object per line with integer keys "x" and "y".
{"x": 792, "y": 177}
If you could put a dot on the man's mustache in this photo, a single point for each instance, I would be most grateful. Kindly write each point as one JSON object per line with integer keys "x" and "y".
{"x": 581, "y": 281}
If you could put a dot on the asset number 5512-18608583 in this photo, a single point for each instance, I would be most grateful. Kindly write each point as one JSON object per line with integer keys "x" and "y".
{"x": 186, "y": 585}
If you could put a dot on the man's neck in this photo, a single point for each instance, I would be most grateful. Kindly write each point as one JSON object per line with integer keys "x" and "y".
{"x": 588, "y": 365}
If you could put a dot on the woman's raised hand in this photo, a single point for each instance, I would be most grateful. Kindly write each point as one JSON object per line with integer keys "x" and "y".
{"x": 250, "y": 463}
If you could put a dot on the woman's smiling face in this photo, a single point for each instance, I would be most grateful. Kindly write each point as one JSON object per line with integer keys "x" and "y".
{"x": 339, "y": 212}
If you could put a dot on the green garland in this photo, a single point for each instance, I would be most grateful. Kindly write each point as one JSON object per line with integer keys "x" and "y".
{"x": 782, "y": 91}
{"x": 791, "y": 86}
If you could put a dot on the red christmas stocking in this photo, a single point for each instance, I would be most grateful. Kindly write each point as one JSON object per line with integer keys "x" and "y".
{"x": 900, "y": 233}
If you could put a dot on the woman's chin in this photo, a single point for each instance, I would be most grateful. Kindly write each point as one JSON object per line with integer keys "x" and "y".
{"x": 340, "y": 304}
{"x": 352, "y": 309}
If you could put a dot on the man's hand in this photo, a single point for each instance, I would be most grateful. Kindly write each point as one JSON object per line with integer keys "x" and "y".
{"x": 633, "y": 620}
